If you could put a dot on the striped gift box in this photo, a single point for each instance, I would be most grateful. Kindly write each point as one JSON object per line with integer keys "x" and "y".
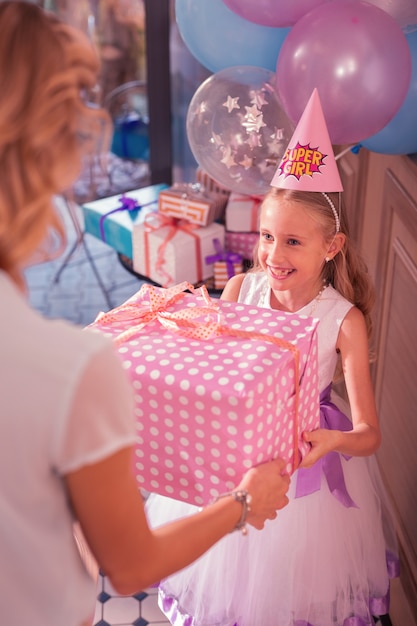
{"x": 192, "y": 203}
{"x": 209, "y": 183}
{"x": 222, "y": 272}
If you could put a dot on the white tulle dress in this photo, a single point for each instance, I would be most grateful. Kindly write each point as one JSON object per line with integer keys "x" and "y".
{"x": 328, "y": 557}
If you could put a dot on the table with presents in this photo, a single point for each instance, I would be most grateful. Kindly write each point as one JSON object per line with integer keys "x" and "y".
{"x": 197, "y": 232}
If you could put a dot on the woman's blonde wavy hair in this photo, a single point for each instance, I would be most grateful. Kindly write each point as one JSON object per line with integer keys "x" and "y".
{"x": 46, "y": 69}
{"x": 347, "y": 271}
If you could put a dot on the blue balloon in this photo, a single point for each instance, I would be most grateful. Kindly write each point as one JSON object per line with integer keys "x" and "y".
{"x": 399, "y": 136}
{"x": 219, "y": 38}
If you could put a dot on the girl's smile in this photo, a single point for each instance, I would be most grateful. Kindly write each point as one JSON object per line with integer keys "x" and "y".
{"x": 292, "y": 252}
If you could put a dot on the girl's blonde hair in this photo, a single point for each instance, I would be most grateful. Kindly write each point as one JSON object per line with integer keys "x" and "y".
{"x": 46, "y": 70}
{"x": 347, "y": 271}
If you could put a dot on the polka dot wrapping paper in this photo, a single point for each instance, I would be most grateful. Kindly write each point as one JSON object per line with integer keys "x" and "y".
{"x": 215, "y": 387}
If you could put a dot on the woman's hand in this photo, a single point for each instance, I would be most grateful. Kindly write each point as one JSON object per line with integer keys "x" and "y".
{"x": 267, "y": 485}
{"x": 322, "y": 441}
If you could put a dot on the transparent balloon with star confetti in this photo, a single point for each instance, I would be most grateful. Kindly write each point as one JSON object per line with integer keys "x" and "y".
{"x": 237, "y": 128}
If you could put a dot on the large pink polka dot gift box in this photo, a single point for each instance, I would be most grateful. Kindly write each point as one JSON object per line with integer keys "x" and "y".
{"x": 219, "y": 387}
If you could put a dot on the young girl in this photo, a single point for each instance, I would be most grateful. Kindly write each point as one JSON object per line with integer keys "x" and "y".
{"x": 323, "y": 561}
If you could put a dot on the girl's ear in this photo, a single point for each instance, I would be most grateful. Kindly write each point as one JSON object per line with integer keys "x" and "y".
{"x": 336, "y": 245}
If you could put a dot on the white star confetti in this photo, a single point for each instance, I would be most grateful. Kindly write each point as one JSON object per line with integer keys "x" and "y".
{"x": 258, "y": 98}
{"x": 231, "y": 103}
{"x": 254, "y": 140}
{"x": 228, "y": 158}
{"x": 278, "y": 134}
{"x": 246, "y": 162}
{"x": 216, "y": 139}
{"x": 253, "y": 120}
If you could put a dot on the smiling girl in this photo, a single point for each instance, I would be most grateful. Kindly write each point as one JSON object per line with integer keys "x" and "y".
{"x": 323, "y": 561}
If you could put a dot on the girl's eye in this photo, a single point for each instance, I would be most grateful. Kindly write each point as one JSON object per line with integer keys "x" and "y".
{"x": 293, "y": 242}
{"x": 267, "y": 236}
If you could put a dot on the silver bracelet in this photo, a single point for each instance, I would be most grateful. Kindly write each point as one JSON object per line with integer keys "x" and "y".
{"x": 242, "y": 496}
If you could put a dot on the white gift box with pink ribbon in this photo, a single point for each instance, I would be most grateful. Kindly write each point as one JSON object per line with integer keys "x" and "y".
{"x": 169, "y": 251}
{"x": 219, "y": 387}
{"x": 242, "y": 213}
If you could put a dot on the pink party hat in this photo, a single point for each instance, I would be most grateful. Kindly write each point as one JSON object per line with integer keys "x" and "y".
{"x": 308, "y": 163}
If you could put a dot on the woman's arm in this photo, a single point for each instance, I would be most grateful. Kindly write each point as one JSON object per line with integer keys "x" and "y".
{"x": 365, "y": 437}
{"x": 110, "y": 511}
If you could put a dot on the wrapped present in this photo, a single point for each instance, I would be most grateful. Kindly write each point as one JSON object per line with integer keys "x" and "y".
{"x": 220, "y": 387}
{"x": 226, "y": 264}
{"x": 242, "y": 213}
{"x": 193, "y": 203}
{"x": 112, "y": 219}
{"x": 169, "y": 251}
{"x": 241, "y": 243}
{"x": 223, "y": 271}
{"x": 209, "y": 183}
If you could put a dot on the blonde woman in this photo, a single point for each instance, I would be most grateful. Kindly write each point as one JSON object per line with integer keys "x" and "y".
{"x": 66, "y": 424}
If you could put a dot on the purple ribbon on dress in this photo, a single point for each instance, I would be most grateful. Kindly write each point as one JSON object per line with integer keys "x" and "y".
{"x": 222, "y": 255}
{"x": 127, "y": 204}
{"x": 309, "y": 479}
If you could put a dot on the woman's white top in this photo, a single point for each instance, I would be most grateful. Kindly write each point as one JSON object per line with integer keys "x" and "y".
{"x": 65, "y": 402}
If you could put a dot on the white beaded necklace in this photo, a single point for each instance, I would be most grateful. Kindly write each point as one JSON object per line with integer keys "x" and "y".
{"x": 313, "y": 304}
{"x": 317, "y": 299}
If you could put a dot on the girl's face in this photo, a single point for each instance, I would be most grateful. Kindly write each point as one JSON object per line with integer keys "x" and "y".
{"x": 292, "y": 249}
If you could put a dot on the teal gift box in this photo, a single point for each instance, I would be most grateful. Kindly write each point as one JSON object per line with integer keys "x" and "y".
{"x": 112, "y": 219}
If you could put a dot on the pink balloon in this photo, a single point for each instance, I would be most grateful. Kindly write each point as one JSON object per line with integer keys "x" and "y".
{"x": 403, "y": 11}
{"x": 357, "y": 57}
{"x": 278, "y": 13}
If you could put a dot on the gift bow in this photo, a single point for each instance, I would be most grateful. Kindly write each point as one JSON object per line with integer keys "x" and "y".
{"x": 230, "y": 258}
{"x": 156, "y": 221}
{"x": 127, "y": 204}
{"x": 198, "y": 322}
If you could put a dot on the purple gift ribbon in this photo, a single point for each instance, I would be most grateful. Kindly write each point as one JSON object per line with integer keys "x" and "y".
{"x": 309, "y": 479}
{"x": 128, "y": 204}
{"x": 222, "y": 255}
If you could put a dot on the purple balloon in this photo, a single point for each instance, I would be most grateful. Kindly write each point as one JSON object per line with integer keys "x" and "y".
{"x": 237, "y": 128}
{"x": 403, "y": 11}
{"x": 357, "y": 57}
{"x": 277, "y": 13}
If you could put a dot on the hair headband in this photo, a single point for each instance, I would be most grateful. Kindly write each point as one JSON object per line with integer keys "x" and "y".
{"x": 334, "y": 211}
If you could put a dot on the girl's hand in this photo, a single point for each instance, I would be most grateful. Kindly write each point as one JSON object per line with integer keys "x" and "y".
{"x": 322, "y": 441}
